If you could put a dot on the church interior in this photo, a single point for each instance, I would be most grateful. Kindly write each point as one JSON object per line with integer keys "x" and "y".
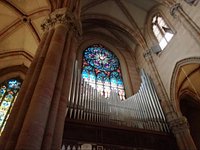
{"x": 99, "y": 74}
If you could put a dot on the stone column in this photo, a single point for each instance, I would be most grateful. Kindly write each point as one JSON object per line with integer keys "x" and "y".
{"x": 4, "y": 139}
{"x": 180, "y": 129}
{"x": 28, "y": 93}
{"x": 65, "y": 95}
{"x": 178, "y": 12}
{"x": 38, "y": 127}
{"x": 177, "y": 123}
{"x": 40, "y": 98}
{"x": 32, "y": 132}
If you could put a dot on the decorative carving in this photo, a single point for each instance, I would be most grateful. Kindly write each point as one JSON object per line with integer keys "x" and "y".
{"x": 179, "y": 125}
{"x": 174, "y": 8}
{"x": 147, "y": 54}
{"x": 62, "y": 16}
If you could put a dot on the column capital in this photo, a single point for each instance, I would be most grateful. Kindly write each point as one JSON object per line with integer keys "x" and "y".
{"x": 147, "y": 54}
{"x": 174, "y": 8}
{"x": 179, "y": 124}
{"x": 63, "y": 17}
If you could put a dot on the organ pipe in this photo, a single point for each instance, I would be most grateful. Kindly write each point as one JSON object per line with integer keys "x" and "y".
{"x": 142, "y": 110}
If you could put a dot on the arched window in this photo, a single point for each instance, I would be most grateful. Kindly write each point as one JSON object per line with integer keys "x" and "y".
{"x": 162, "y": 31}
{"x": 8, "y": 93}
{"x": 101, "y": 69}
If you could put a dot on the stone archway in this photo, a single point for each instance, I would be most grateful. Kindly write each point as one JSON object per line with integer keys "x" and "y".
{"x": 185, "y": 94}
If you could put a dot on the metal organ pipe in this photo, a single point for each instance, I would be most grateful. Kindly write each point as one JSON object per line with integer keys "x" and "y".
{"x": 142, "y": 110}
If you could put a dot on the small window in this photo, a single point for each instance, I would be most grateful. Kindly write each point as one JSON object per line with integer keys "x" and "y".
{"x": 162, "y": 32}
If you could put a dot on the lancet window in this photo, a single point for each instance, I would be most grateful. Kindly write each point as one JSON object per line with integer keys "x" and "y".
{"x": 8, "y": 93}
{"x": 101, "y": 69}
{"x": 162, "y": 31}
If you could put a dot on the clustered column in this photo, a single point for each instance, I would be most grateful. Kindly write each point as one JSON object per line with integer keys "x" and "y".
{"x": 37, "y": 118}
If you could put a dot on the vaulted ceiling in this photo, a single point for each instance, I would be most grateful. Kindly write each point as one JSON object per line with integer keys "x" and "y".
{"x": 120, "y": 20}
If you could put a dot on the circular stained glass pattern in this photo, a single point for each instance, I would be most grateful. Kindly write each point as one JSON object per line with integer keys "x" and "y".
{"x": 101, "y": 68}
{"x": 101, "y": 58}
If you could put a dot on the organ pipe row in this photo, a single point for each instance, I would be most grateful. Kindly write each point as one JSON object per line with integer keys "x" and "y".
{"x": 142, "y": 110}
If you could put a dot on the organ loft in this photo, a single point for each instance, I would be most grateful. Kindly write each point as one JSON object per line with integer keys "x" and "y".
{"x": 100, "y": 75}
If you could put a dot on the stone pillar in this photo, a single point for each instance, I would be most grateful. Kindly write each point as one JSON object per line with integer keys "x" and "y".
{"x": 32, "y": 132}
{"x": 177, "y": 123}
{"x": 41, "y": 97}
{"x": 180, "y": 129}
{"x": 4, "y": 140}
{"x": 28, "y": 93}
{"x": 178, "y": 12}
{"x": 65, "y": 95}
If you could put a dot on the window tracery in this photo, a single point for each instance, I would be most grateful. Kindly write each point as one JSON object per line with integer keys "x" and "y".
{"x": 101, "y": 68}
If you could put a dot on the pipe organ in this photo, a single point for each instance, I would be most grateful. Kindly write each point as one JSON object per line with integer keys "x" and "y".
{"x": 142, "y": 110}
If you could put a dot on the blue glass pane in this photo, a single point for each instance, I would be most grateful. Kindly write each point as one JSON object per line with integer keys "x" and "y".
{"x": 14, "y": 84}
{"x": 113, "y": 81}
{"x": 115, "y": 75}
{"x": 119, "y": 82}
{"x": 85, "y": 74}
{"x": 92, "y": 76}
{"x": 2, "y": 92}
{"x": 101, "y": 76}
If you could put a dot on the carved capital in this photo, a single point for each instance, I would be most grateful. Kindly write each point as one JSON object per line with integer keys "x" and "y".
{"x": 147, "y": 55}
{"x": 62, "y": 16}
{"x": 174, "y": 8}
{"x": 179, "y": 125}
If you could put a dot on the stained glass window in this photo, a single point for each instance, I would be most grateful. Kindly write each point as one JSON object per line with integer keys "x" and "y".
{"x": 162, "y": 31}
{"x": 8, "y": 93}
{"x": 101, "y": 68}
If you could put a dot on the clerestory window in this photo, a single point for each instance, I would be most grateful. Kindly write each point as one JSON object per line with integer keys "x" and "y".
{"x": 162, "y": 31}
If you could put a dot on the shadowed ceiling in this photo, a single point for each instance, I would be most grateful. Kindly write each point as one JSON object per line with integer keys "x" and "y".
{"x": 121, "y": 20}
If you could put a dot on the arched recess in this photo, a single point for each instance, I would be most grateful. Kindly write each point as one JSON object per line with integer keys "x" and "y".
{"x": 14, "y": 63}
{"x": 185, "y": 93}
{"x": 184, "y": 69}
{"x": 116, "y": 51}
{"x": 18, "y": 71}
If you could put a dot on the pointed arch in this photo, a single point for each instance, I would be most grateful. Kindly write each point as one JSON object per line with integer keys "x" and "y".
{"x": 105, "y": 72}
{"x": 124, "y": 67}
{"x": 173, "y": 85}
